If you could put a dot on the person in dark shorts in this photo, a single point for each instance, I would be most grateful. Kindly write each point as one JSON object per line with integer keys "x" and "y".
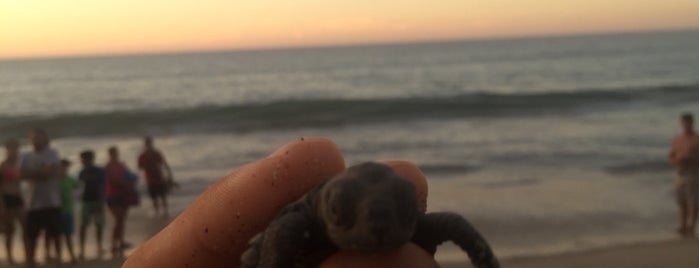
{"x": 92, "y": 178}
{"x": 117, "y": 187}
{"x": 41, "y": 168}
{"x": 152, "y": 162}
{"x": 11, "y": 195}
{"x": 684, "y": 155}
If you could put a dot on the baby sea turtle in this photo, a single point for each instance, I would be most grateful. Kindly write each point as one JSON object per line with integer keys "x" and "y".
{"x": 367, "y": 208}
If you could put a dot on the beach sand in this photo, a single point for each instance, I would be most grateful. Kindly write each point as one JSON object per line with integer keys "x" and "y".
{"x": 111, "y": 263}
{"x": 139, "y": 228}
{"x": 680, "y": 253}
{"x": 675, "y": 254}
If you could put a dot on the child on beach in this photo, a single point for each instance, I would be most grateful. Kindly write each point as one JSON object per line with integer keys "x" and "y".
{"x": 68, "y": 185}
{"x": 92, "y": 177}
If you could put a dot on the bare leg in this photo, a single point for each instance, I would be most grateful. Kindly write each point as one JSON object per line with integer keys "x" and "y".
{"x": 30, "y": 251}
{"x": 156, "y": 205}
{"x": 98, "y": 230}
{"x": 9, "y": 235}
{"x": 83, "y": 230}
{"x": 22, "y": 218}
{"x": 124, "y": 245}
{"x": 57, "y": 244}
{"x": 117, "y": 234}
{"x": 34, "y": 234}
{"x": 30, "y": 240}
{"x": 692, "y": 217}
{"x": 69, "y": 243}
{"x": 682, "y": 228}
{"x": 47, "y": 247}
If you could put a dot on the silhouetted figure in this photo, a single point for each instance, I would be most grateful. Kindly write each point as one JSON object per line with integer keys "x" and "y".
{"x": 684, "y": 155}
{"x": 68, "y": 184}
{"x": 117, "y": 187}
{"x": 92, "y": 178}
{"x": 41, "y": 168}
{"x": 153, "y": 164}
{"x": 11, "y": 196}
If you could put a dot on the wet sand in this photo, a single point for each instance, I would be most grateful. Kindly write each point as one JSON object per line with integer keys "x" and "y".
{"x": 680, "y": 253}
{"x": 139, "y": 228}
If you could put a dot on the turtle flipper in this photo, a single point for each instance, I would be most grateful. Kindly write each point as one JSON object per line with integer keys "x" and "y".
{"x": 251, "y": 256}
{"x": 435, "y": 228}
{"x": 280, "y": 244}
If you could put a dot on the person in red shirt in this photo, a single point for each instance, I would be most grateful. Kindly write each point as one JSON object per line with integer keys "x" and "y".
{"x": 117, "y": 186}
{"x": 153, "y": 164}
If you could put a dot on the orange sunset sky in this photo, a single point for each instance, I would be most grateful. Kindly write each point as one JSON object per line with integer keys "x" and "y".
{"x": 36, "y": 28}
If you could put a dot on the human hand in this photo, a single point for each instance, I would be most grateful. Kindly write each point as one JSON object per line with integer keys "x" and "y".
{"x": 215, "y": 229}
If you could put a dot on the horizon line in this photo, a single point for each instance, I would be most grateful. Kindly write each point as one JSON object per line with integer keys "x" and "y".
{"x": 345, "y": 45}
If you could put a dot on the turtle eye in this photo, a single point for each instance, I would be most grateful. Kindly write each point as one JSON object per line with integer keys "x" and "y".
{"x": 338, "y": 207}
{"x": 331, "y": 208}
{"x": 338, "y": 215}
{"x": 334, "y": 216}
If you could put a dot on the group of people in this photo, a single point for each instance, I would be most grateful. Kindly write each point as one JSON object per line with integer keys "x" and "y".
{"x": 48, "y": 208}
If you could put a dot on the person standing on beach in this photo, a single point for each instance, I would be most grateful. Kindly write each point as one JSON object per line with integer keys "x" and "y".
{"x": 68, "y": 185}
{"x": 152, "y": 162}
{"x": 684, "y": 155}
{"x": 92, "y": 178}
{"x": 117, "y": 187}
{"x": 11, "y": 195}
{"x": 41, "y": 168}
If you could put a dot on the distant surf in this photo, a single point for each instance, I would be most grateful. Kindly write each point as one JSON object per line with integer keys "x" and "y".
{"x": 300, "y": 113}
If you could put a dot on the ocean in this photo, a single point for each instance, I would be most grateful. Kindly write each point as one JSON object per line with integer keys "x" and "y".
{"x": 547, "y": 144}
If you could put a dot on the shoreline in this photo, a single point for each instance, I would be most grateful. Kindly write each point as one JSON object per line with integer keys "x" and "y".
{"x": 676, "y": 253}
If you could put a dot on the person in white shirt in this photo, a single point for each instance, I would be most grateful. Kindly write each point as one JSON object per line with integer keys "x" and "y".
{"x": 40, "y": 168}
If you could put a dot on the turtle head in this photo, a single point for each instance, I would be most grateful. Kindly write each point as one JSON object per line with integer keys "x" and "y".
{"x": 369, "y": 208}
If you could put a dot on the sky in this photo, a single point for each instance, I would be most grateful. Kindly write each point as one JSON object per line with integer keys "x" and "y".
{"x": 39, "y": 28}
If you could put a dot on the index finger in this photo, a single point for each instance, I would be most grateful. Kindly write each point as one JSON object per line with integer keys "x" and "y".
{"x": 411, "y": 172}
{"x": 215, "y": 229}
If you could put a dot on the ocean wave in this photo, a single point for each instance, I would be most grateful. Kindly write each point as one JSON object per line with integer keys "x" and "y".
{"x": 333, "y": 112}
{"x": 639, "y": 167}
{"x": 442, "y": 169}
{"x": 512, "y": 183}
